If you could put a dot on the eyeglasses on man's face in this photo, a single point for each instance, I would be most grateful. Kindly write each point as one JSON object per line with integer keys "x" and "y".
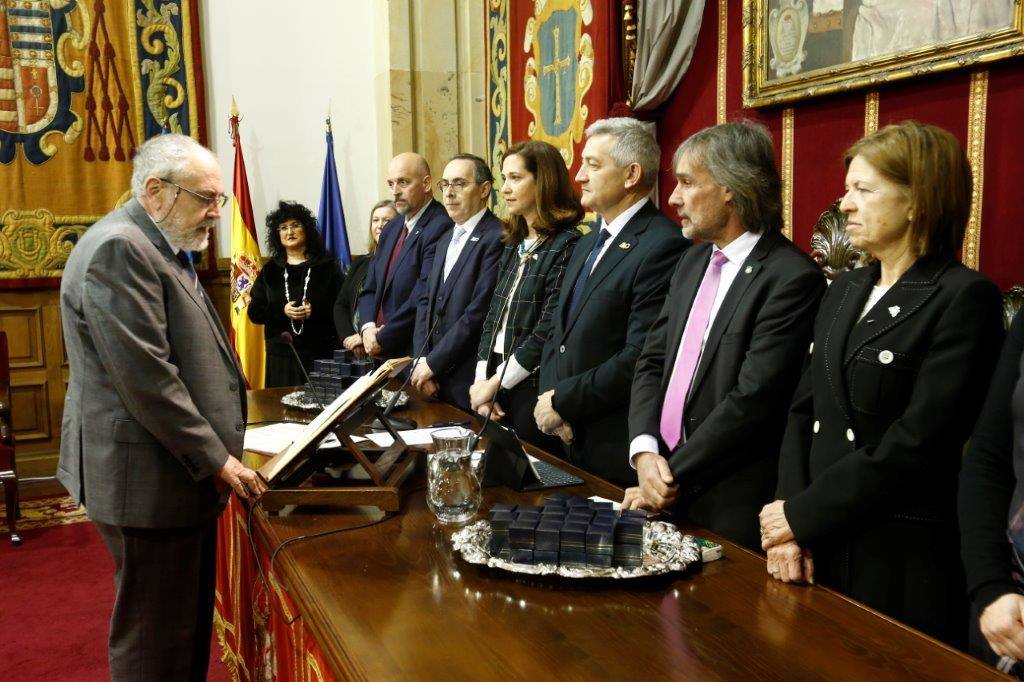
{"x": 457, "y": 184}
{"x": 217, "y": 200}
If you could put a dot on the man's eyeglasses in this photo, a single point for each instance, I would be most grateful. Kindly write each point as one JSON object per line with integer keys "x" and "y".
{"x": 458, "y": 185}
{"x": 217, "y": 200}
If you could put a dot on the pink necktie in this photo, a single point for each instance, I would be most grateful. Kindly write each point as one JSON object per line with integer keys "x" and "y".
{"x": 689, "y": 353}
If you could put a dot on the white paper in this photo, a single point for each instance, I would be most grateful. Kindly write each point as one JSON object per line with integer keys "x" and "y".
{"x": 412, "y": 437}
{"x": 274, "y": 438}
{"x": 598, "y": 498}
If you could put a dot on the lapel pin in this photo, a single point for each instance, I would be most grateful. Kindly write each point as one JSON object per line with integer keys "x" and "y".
{"x": 894, "y": 310}
{"x": 534, "y": 256}
{"x": 624, "y": 245}
{"x": 474, "y": 239}
{"x": 749, "y": 270}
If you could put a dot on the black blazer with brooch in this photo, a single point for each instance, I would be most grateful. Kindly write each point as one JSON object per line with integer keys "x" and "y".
{"x": 873, "y": 447}
{"x": 533, "y": 302}
{"x": 455, "y": 308}
{"x": 736, "y": 410}
{"x": 590, "y": 357}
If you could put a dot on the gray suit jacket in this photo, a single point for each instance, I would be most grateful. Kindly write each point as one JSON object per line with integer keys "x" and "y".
{"x": 155, "y": 401}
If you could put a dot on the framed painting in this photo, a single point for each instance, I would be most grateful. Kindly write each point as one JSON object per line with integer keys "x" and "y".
{"x": 794, "y": 49}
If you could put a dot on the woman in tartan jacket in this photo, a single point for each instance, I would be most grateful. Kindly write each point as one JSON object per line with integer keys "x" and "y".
{"x": 544, "y": 211}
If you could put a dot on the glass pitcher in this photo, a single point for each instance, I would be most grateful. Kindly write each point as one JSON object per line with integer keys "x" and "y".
{"x": 454, "y": 476}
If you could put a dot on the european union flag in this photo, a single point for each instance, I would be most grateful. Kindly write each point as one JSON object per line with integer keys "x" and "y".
{"x": 331, "y": 216}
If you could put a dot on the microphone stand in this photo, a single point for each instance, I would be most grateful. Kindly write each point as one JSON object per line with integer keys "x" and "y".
{"x": 287, "y": 338}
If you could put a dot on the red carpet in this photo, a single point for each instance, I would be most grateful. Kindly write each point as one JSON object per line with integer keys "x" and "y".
{"x": 56, "y": 594}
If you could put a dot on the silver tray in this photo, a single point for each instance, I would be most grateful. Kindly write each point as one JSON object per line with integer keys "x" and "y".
{"x": 300, "y": 400}
{"x": 665, "y": 550}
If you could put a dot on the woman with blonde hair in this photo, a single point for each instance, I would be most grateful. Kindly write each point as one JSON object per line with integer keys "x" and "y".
{"x": 346, "y": 308}
{"x": 902, "y": 356}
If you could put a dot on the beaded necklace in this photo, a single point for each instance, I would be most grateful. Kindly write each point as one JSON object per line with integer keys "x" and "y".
{"x": 288, "y": 297}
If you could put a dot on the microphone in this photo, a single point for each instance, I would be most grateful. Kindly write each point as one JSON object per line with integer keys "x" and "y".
{"x": 286, "y": 337}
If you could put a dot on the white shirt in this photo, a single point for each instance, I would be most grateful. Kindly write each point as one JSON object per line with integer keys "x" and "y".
{"x": 877, "y": 292}
{"x": 455, "y": 247}
{"x": 410, "y": 222}
{"x": 736, "y": 252}
{"x": 615, "y": 228}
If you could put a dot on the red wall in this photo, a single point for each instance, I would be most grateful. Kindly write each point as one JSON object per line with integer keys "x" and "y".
{"x": 825, "y": 126}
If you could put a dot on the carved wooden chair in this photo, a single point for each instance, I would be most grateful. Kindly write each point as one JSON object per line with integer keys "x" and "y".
{"x": 8, "y": 475}
{"x": 831, "y": 250}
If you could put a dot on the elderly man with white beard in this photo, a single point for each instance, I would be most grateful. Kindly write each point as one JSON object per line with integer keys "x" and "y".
{"x": 155, "y": 411}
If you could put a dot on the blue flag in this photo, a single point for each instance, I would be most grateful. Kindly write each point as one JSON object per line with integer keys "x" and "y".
{"x": 331, "y": 216}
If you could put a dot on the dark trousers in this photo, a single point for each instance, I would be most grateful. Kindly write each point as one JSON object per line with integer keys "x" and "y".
{"x": 163, "y": 610}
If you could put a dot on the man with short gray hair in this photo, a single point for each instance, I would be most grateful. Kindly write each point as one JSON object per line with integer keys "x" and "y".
{"x": 614, "y": 286}
{"x": 717, "y": 373}
{"x": 155, "y": 411}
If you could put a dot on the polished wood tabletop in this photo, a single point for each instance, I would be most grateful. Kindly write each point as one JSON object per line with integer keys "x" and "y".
{"x": 391, "y": 601}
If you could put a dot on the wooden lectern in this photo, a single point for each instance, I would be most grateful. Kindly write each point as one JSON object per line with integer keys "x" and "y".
{"x": 386, "y": 469}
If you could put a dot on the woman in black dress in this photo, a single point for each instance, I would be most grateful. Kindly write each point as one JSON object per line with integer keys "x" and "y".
{"x": 544, "y": 211}
{"x": 902, "y": 356}
{"x": 346, "y": 308}
{"x": 295, "y": 293}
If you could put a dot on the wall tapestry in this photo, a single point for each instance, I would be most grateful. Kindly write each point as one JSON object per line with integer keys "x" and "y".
{"x": 82, "y": 84}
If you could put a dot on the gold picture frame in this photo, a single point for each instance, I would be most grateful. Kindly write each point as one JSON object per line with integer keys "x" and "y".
{"x": 797, "y": 49}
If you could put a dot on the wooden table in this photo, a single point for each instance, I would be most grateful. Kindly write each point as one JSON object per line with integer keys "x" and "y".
{"x": 390, "y": 601}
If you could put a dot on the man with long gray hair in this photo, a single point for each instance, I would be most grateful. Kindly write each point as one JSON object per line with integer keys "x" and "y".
{"x": 614, "y": 286}
{"x": 155, "y": 409}
{"x": 716, "y": 375}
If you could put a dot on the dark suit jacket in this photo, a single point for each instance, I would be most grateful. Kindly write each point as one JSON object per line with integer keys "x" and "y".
{"x": 875, "y": 438}
{"x": 533, "y": 302}
{"x": 401, "y": 293}
{"x": 155, "y": 401}
{"x": 590, "y": 357}
{"x": 990, "y": 476}
{"x": 458, "y": 306}
{"x": 736, "y": 410}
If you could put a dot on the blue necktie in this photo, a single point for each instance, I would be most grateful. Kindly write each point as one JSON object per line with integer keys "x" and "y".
{"x": 581, "y": 280}
{"x": 185, "y": 258}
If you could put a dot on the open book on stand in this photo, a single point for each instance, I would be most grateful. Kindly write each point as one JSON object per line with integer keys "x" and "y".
{"x": 287, "y": 470}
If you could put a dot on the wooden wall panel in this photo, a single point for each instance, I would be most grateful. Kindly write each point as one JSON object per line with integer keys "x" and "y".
{"x": 30, "y": 410}
{"x": 39, "y": 375}
{"x": 24, "y": 327}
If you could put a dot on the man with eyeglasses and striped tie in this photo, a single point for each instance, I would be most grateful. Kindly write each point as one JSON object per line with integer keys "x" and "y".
{"x": 454, "y": 304}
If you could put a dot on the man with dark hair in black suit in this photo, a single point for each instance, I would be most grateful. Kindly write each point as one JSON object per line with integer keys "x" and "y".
{"x": 402, "y": 261}
{"x": 715, "y": 379}
{"x": 614, "y": 286}
{"x": 457, "y": 295}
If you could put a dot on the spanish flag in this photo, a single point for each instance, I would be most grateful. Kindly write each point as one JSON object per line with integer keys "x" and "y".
{"x": 245, "y": 266}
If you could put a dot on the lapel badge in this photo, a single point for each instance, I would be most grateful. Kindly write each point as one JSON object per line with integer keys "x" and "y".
{"x": 749, "y": 269}
{"x": 624, "y": 246}
{"x": 474, "y": 239}
{"x": 894, "y": 310}
{"x": 534, "y": 256}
